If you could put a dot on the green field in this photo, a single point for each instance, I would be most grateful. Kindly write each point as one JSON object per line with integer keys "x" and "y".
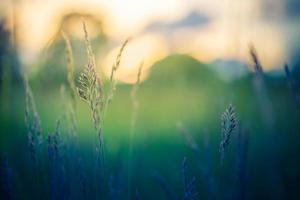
{"x": 178, "y": 89}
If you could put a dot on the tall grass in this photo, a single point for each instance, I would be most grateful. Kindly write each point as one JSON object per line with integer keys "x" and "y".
{"x": 135, "y": 106}
{"x": 292, "y": 84}
{"x": 70, "y": 107}
{"x": 113, "y": 81}
{"x": 261, "y": 92}
{"x": 203, "y": 157}
{"x": 32, "y": 122}
{"x": 269, "y": 120}
{"x": 66, "y": 175}
{"x": 91, "y": 91}
{"x": 70, "y": 67}
{"x": 228, "y": 126}
{"x": 60, "y": 188}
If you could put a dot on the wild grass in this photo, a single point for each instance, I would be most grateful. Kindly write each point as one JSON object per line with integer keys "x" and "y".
{"x": 70, "y": 67}
{"x": 32, "y": 122}
{"x": 292, "y": 84}
{"x": 59, "y": 184}
{"x": 268, "y": 117}
{"x": 91, "y": 91}
{"x": 261, "y": 92}
{"x": 117, "y": 63}
{"x": 228, "y": 126}
{"x": 135, "y": 106}
{"x": 203, "y": 157}
{"x": 70, "y": 107}
{"x": 256, "y": 62}
{"x": 190, "y": 190}
{"x": 91, "y": 88}
{"x": 134, "y": 99}
{"x": 65, "y": 175}
{"x": 113, "y": 81}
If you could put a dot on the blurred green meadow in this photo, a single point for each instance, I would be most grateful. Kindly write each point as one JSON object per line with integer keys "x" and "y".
{"x": 178, "y": 89}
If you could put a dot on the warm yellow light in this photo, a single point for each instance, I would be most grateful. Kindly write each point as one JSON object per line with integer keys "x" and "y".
{"x": 131, "y": 16}
{"x": 232, "y": 26}
{"x": 147, "y": 49}
{"x": 213, "y": 43}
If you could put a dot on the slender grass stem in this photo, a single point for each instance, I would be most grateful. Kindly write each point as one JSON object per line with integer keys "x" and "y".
{"x": 135, "y": 106}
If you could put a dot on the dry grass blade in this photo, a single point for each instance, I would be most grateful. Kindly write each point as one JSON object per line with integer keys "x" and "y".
{"x": 89, "y": 49}
{"x": 133, "y": 95}
{"x": 118, "y": 59}
{"x": 113, "y": 72}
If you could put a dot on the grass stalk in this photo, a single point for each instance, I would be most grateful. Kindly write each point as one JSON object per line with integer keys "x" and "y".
{"x": 189, "y": 186}
{"x": 292, "y": 85}
{"x": 228, "y": 126}
{"x": 91, "y": 91}
{"x": 113, "y": 81}
{"x": 135, "y": 106}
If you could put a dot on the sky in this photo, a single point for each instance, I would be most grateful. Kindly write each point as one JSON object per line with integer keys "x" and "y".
{"x": 205, "y": 29}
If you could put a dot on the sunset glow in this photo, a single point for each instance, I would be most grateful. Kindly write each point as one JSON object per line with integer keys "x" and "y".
{"x": 227, "y": 35}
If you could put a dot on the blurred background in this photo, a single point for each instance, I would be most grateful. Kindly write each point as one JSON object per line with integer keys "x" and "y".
{"x": 207, "y": 30}
{"x": 196, "y": 62}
